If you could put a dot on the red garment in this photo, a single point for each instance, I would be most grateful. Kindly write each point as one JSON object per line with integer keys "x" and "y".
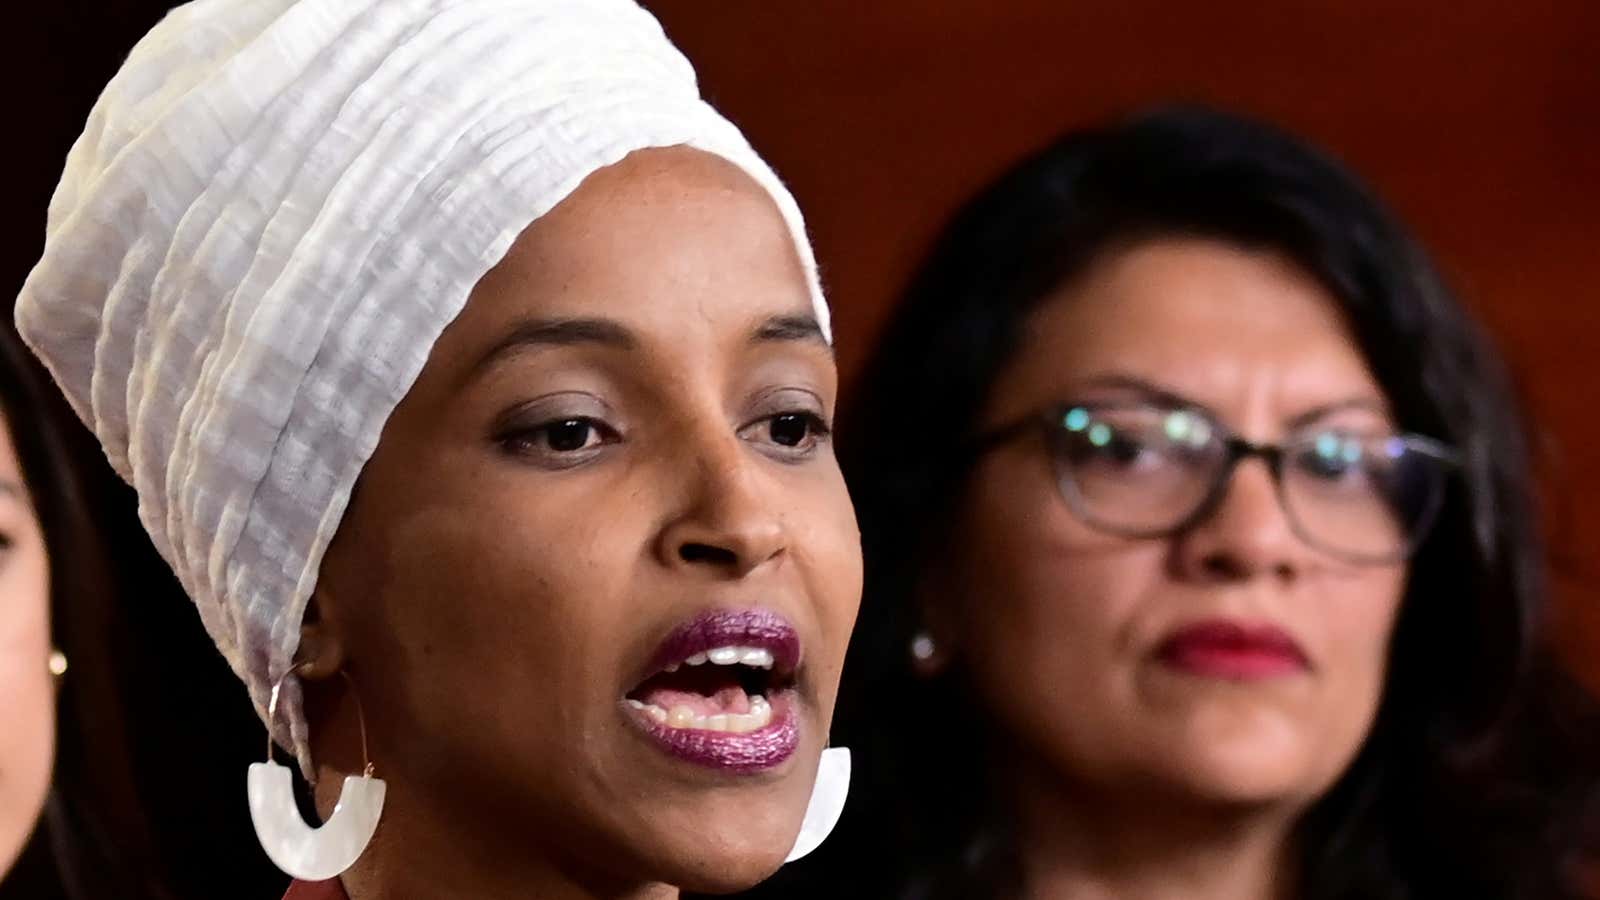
{"x": 316, "y": 890}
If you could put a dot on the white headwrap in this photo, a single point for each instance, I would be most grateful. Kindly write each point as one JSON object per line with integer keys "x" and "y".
{"x": 274, "y": 211}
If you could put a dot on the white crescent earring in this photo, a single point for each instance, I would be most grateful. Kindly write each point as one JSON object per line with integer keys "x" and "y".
{"x": 303, "y": 852}
{"x": 827, "y": 802}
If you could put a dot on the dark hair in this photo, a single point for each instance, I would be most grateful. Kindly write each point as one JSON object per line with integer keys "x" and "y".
{"x": 77, "y": 575}
{"x": 153, "y": 733}
{"x": 1479, "y": 777}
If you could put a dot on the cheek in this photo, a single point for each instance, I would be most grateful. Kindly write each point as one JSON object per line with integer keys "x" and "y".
{"x": 1359, "y": 627}
{"x": 491, "y": 616}
{"x": 27, "y": 706}
{"x": 27, "y": 697}
{"x": 1046, "y": 609}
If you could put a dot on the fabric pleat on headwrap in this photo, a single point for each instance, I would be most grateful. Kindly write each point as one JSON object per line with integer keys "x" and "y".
{"x": 274, "y": 211}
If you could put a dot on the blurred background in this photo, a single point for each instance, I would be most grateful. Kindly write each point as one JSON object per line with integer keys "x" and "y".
{"x": 1479, "y": 121}
{"x": 1476, "y": 119}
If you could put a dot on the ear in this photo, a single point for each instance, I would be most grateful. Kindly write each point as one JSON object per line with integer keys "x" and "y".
{"x": 321, "y": 654}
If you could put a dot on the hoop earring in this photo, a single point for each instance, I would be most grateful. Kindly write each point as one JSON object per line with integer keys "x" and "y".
{"x": 303, "y": 852}
{"x": 827, "y": 802}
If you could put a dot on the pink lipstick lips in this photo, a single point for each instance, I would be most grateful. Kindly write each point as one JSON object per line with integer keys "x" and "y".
{"x": 720, "y": 692}
{"x": 1230, "y": 650}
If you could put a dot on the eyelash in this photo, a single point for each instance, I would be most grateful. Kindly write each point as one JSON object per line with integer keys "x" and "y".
{"x": 818, "y": 432}
{"x": 538, "y": 440}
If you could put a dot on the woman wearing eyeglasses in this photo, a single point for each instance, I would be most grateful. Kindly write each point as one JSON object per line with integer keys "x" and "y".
{"x": 1202, "y": 557}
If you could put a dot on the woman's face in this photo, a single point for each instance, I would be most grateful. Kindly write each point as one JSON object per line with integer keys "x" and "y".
{"x": 596, "y": 583}
{"x": 1230, "y": 664}
{"x": 27, "y": 694}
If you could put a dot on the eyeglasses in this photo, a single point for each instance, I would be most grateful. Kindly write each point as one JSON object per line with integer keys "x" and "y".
{"x": 1143, "y": 470}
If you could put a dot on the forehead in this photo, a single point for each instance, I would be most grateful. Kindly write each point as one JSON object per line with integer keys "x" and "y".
{"x": 663, "y": 239}
{"x": 1198, "y": 315}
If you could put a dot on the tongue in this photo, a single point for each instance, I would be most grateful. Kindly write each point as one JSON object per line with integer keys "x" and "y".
{"x": 731, "y": 699}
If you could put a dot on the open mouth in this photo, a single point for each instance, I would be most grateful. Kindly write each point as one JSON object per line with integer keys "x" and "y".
{"x": 722, "y": 692}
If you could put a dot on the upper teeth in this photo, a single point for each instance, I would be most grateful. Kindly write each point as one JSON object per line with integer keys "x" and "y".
{"x": 755, "y": 657}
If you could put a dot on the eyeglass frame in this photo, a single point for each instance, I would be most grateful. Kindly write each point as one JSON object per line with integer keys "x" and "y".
{"x": 1236, "y": 450}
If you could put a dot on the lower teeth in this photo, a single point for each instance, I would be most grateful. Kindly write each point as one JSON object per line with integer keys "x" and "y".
{"x": 759, "y": 716}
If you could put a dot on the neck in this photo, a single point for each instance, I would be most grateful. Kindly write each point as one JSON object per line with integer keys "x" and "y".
{"x": 1075, "y": 844}
{"x": 419, "y": 855}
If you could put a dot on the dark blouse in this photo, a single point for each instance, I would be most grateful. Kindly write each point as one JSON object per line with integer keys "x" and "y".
{"x": 316, "y": 890}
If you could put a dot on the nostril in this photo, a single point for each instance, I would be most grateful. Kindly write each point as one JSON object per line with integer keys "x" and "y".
{"x": 1223, "y": 566}
{"x": 706, "y": 553}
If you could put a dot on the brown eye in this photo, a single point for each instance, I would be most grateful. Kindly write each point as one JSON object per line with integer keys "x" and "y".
{"x": 559, "y": 443}
{"x": 569, "y": 435}
{"x": 793, "y": 429}
{"x": 792, "y": 435}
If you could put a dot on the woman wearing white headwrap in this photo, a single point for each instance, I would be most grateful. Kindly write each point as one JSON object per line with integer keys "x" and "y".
{"x": 577, "y": 628}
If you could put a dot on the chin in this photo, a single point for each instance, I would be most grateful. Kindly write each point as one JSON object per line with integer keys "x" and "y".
{"x": 1249, "y": 779}
{"x": 723, "y": 863}
{"x": 1253, "y": 759}
{"x": 725, "y": 881}
{"x": 717, "y": 840}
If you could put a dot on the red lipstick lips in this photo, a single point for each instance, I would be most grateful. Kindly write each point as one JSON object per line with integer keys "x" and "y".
{"x": 1234, "y": 651}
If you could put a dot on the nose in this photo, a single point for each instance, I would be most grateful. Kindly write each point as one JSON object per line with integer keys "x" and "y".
{"x": 728, "y": 523}
{"x": 1245, "y": 535}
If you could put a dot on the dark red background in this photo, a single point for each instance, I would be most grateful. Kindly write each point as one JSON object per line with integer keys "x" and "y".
{"x": 1476, "y": 118}
{"x": 1479, "y": 121}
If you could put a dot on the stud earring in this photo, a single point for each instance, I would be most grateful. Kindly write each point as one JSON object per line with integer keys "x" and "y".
{"x": 58, "y": 663}
{"x": 827, "y": 802}
{"x": 303, "y": 852}
{"x": 928, "y": 658}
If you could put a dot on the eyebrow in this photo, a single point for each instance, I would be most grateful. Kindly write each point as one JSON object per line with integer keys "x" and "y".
{"x": 1161, "y": 395}
{"x": 1168, "y": 397}
{"x": 1327, "y": 409}
{"x": 558, "y": 333}
{"x": 607, "y": 332}
{"x": 790, "y": 328}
